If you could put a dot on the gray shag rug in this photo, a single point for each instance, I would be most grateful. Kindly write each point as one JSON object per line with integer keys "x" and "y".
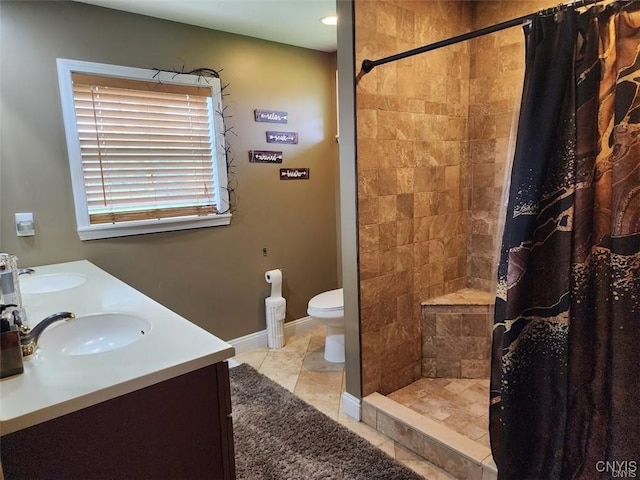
{"x": 280, "y": 437}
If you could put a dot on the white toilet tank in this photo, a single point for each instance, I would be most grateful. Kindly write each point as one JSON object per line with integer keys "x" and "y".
{"x": 327, "y": 304}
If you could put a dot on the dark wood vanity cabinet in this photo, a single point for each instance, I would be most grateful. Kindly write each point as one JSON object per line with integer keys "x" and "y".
{"x": 180, "y": 428}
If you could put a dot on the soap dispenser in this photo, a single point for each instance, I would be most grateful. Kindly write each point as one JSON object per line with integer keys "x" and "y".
{"x": 10, "y": 349}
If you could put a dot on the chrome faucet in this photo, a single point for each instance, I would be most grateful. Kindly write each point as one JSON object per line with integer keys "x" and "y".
{"x": 29, "y": 338}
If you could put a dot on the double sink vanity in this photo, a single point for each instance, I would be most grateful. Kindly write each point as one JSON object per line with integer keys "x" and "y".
{"x": 126, "y": 389}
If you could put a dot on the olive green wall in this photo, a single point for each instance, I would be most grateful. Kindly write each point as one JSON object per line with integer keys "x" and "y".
{"x": 212, "y": 276}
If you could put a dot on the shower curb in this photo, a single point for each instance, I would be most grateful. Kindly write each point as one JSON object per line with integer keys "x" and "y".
{"x": 440, "y": 445}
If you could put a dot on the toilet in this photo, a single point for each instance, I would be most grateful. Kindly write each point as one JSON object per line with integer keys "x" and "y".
{"x": 328, "y": 307}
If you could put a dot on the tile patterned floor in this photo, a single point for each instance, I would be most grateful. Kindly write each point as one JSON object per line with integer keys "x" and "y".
{"x": 458, "y": 403}
{"x": 300, "y": 367}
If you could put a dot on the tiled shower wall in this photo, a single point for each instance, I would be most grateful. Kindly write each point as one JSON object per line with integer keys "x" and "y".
{"x": 433, "y": 137}
{"x": 495, "y": 87}
{"x": 413, "y": 178}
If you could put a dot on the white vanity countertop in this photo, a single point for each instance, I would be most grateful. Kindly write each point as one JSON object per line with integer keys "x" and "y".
{"x": 53, "y": 384}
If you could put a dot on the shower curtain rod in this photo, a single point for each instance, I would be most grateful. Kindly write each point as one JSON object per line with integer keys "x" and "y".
{"x": 368, "y": 65}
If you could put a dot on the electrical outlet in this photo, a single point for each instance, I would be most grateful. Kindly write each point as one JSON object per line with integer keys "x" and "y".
{"x": 24, "y": 225}
{"x": 264, "y": 251}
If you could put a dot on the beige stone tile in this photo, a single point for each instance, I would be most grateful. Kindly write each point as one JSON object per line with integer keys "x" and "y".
{"x": 285, "y": 379}
{"x": 489, "y": 469}
{"x": 365, "y": 431}
{"x": 404, "y": 232}
{"x": 477, "y": 410}
{"x": 473, "y": 431}
{"x": 368, "y": 183}
{"x": 388, "y": 447}
{"x": 481, "y": 386}
{"x": 485, "y": 440}
{"x": 475, "y": 348}
{"x": 406, "y": 397}
{"x": 476, "y": 397}
{"x": 387, "y": 208}
{"x": 369, "y": 264}
{"x": 405, "y": 178}
{"x": 296, "y": 343}
{"x": 388, "y": 261}
{"x": 325, "y": 383}
{"x": 456, "y": 386}
{"x": 368, "y": 211}
{"x": 419, "y": 465}
{"x": 448, "y": 324}
{"x": 488, "y": 475}
{"x": 459, "y": 465}
{"x": 388, "y": 235}
{"x": 316, "y": 342}
{"x": 329, "y": 404}
{"x": 253, "y": 358}
{"x": 447, "y": 367}
{"x": 369, "y": 414}
{"x": 369, "y": 237}
{"x": 282, "y": 361}
{"x": 315, "y": 362}
{"x": 457, "y": 421}
{"x": 489, "y": 464}
{"x": 438, "y": 413}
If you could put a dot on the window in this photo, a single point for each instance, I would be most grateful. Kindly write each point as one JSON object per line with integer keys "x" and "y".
{"x": 146, "y": 149}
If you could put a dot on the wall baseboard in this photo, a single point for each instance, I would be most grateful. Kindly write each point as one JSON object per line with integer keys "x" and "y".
{"x": 259, "y": 339}
{"x": 351, "y": 405}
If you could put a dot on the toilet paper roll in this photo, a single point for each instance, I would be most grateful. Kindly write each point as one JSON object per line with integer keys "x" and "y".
{"x": 274, "y": 277}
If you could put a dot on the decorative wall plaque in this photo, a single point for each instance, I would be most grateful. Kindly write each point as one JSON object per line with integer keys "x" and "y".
{"x": 265, "y": 156}
{"x": 282, "y": 137}
{"x": 294, "y": 174}
{"x": 271, "y": 116}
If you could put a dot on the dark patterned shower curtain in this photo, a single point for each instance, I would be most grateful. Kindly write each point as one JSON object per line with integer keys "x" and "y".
{"x": 565, "y": 383}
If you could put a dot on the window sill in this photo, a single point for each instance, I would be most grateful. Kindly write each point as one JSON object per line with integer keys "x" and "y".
{"x": 109, "y": 230}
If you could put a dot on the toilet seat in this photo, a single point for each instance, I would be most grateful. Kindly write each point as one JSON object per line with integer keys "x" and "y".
{"x": 327, "y": 304}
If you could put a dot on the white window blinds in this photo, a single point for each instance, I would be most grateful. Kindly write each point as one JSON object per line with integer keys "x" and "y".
{"x": 146, "y": 148}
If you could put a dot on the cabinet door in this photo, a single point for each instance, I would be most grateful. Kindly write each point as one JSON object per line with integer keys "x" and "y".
{"x": 179, "y": 428}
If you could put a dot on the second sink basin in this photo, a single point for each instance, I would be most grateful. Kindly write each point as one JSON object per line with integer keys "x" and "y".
{"x": 97, "y": 333}
{"x": 51, "y": 283}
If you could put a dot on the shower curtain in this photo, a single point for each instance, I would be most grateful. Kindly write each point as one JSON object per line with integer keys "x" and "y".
{"x": 565, "y": 379}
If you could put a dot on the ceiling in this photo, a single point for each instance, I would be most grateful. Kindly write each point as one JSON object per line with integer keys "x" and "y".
{"x": 293, "y": 22}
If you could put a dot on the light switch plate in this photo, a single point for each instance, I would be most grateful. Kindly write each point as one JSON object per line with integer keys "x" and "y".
{"x": 24, "y": 225}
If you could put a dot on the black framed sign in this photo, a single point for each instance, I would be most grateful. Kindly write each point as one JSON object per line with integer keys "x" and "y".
{"x": 265, "y": 156}
{"x": 270, "y": 116}
{"x": 294, "y": 174}
{"x": 282, "y": 137}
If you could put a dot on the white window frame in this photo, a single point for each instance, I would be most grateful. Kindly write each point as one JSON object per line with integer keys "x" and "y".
{"x": 87, "y": 231}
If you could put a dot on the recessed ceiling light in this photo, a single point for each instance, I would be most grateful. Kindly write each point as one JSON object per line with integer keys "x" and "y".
{"x": 330, "y": 20}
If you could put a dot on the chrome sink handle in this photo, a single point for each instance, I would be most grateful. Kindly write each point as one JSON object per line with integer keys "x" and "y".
{"x": 26, "y": 271}
{"x": 29, "y": 340}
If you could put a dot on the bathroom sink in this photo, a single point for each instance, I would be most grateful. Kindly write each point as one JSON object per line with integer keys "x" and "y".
{"x": 96, "y": 333}
{"x": 50, "y": 283}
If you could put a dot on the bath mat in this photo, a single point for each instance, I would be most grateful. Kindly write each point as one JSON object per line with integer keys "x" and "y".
{"x": 280, "y": 437}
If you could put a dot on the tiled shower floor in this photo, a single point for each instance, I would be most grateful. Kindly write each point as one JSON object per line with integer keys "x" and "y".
{"x": 458, "y": 403}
